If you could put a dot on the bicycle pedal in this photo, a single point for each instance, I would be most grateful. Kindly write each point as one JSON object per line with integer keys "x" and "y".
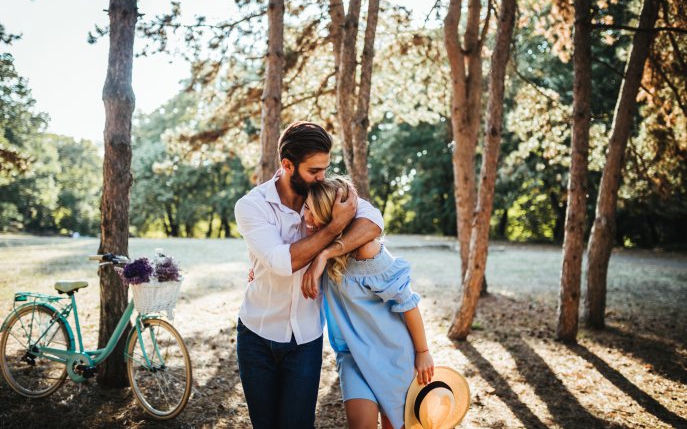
{"x": 87, "y": 371}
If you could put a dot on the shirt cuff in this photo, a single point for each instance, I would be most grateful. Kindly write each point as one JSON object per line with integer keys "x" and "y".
{"x": 411, "y": 300}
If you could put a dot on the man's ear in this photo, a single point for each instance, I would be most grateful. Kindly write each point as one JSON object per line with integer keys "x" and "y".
{"x": 287, "y": 165}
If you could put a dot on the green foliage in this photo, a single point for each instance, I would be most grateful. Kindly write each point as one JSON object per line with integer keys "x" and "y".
{"x": 60, "y": 193}
{"x": 48, "y": 183}
{"x": 176, "y": 191}
{"x": 411, "y": 177}
{"x": 79, "y": 180}
{"x": 18, "y": 120}
{"x": 193, "y": 156}
{"x": 531, "y": 188}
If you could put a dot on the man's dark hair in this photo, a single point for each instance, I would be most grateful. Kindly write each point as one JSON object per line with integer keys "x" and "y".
{"x": 302, "y": 139}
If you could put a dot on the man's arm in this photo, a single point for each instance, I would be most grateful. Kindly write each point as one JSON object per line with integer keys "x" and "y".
{"x": 265, "y": 242}
{"x": 359, "y": 232}
{"x": 367, "y": 226}
{"x": 303, "y": 251}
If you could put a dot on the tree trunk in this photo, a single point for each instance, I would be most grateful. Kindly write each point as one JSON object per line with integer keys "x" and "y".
{"x": 573, "y": 241}
{"x": 211, "y": 216}
{"x": 345, "y": 76}
{"x": 361, "y": 122}
{"x": 503, "y": 224}
{"x": 118, "y": 97}
{"x": 353, "y": 100}
{"x": 271, "y": 95}
{"x": 171, "y": 218}
{"x": 466, "y": 107}
{"x": 559, "y": 225}
{"x": 474, "y": 280}
{"x": 226, "y": 227}
{"x": 603, "y": 231}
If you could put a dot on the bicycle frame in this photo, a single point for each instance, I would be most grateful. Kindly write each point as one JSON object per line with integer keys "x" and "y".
{"x": 74, "y": 357}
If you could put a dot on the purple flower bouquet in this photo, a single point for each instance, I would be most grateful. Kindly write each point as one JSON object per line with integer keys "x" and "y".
{"x": 140, "y": 270}
{"x": 155, "y": 285}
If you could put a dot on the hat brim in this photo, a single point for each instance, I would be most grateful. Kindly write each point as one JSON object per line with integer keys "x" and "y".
{"x": 461, "y": 393}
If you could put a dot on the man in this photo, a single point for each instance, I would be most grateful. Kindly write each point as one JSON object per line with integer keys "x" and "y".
{"x": 279, "y": 332}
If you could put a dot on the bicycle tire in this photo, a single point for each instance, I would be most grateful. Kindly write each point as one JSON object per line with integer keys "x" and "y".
{"x": 161, "y": 381}
{"x": 27, "y": 373}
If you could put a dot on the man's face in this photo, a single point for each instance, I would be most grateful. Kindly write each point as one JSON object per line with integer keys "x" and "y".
{"x": 309, "y": 171}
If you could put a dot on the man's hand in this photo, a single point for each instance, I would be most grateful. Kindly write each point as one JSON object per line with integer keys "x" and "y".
{"x": 310, "y": 284}
{"x": 343, "y": 211}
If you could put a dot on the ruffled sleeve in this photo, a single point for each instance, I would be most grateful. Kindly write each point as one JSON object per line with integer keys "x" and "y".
{"x": 394, "y": 286}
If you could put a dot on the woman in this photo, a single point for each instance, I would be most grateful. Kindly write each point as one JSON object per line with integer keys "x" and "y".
{"x": 373, "y": 320}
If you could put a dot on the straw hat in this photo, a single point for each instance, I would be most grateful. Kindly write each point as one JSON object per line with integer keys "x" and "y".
{"x": 441, "y": 404}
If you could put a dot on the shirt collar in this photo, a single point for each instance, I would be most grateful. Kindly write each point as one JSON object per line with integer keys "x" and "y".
{"x": 271, "y": 194}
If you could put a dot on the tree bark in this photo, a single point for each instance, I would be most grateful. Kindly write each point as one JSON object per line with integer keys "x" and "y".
{"x": 271, "y": 95}
{"x": 119, "y": 101}
{"x": 474, "y": 278}
{"x": 211, "y": 216}
{"x": 345, "y": 77}
{"x": 226, "y": 227}
{"x": 601, "y": 238}
{"x": 361, "y": 121}
{"x": 173, "y": 229}
{"x": 466, "y": 107}
{"x": 353, "y": 100}
{"x": 573, "y": 241}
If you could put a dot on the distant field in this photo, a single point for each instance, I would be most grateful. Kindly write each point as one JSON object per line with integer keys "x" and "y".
{"x": 34, "y": 263}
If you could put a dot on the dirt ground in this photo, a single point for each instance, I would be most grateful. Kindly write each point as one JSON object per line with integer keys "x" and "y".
{"x": 631, "y": 375}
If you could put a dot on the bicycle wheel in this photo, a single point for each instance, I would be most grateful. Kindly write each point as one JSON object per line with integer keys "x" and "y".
{"x": 26, "y": 370}
{"x": 159, "y": 369}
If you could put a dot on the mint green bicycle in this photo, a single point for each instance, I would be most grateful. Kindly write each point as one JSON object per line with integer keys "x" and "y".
{"x": 38, "y": 349}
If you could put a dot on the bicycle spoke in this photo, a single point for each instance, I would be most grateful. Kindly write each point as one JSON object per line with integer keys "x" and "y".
{"x": 26, "y": 370}
{"x": 159, "y": 369}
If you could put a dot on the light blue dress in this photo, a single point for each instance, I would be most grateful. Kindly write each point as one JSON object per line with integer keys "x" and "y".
{"x": 374, "y": 351}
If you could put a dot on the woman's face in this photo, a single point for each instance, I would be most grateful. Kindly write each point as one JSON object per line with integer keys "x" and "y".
{"x": 311, "y": 225}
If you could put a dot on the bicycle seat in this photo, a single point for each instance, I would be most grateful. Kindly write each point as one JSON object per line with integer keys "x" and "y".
{"x": 66, "y": 286}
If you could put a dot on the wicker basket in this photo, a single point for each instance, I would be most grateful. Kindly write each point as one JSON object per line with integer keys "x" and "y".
{"x": 156, "y": 297}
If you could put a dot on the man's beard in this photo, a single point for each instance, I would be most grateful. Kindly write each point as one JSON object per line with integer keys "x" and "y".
{"x": 298, "y": 184}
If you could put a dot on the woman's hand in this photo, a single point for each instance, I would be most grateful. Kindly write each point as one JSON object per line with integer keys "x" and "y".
{"x": 424, "y": 365}
{"x": 310, "y": 284}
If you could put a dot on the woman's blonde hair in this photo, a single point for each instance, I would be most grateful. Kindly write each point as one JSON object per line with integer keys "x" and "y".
{"x": 321, "y": 198}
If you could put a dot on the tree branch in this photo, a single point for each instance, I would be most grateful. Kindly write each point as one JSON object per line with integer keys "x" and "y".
{"x": 670, "y": 84}
{"x": 673, "y": 42}
{"x": 630, "y": 28}
{"x": 620, "y": 74}
{"x": 536, "y": 87}
{"x": 485, "y": 29}
{"x": 437, "y": 4}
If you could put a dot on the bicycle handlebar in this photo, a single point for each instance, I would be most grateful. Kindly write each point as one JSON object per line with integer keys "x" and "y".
{"x": 109, "y": 258}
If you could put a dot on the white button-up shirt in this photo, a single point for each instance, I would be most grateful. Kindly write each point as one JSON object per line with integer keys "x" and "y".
{"x": 273, "y": 305}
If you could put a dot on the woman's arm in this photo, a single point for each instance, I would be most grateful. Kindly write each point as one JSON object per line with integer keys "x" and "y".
{"x": 424, "y": 364}
{"x": 358, "y": 233}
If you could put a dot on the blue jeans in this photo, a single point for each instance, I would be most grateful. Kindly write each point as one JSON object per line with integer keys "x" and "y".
{"x": 280, "y": 380}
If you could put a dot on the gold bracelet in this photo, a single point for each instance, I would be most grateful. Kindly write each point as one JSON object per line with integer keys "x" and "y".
{"x": 421, "y": 351}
